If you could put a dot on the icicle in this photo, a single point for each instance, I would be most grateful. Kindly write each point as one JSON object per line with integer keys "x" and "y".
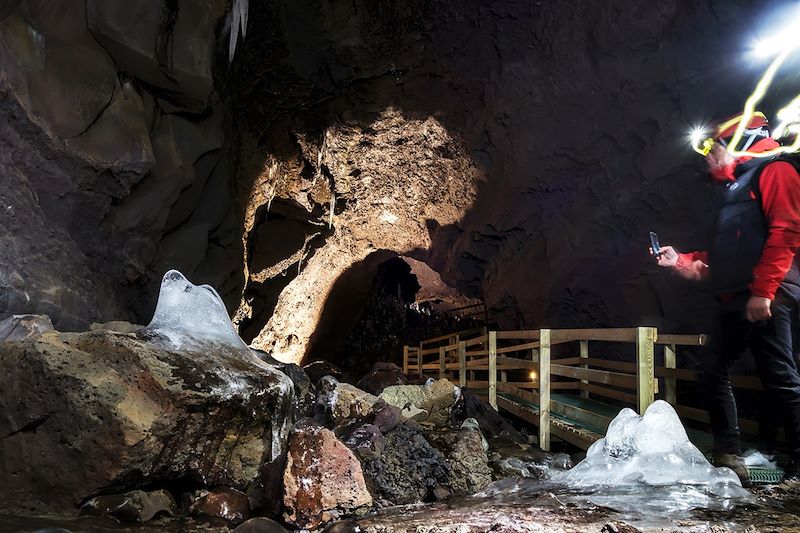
{"x": 238, "y": 24}
{"x": 333, "y": 204}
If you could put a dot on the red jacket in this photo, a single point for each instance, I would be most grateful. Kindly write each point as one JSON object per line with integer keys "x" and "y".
{"x": 779, "y": 185}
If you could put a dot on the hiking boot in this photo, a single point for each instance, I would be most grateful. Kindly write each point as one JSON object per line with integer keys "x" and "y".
{"x": 735, "y": 463}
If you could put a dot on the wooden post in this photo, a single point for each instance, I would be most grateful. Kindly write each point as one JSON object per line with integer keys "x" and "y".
{"x": 462, "y": 364}
{"x": 405, "y": 359}
{"x": 670, "y": 361}
{"x": 645, "y": 363}
{"x": 442, "y": 362}
{"x": 493, "y": 369}
{"x": 544, "y": 389}
{"x": 419, "y": 360}
{"x": 584, "y": 355}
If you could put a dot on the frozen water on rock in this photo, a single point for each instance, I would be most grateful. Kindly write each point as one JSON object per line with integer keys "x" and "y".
{"x": 647, "y": 464}
{"x": 652, "y": 450}
{"x": 190, "y": 316}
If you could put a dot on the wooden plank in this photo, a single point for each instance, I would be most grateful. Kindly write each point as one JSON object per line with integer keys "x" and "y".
{"x": 478, "y": 353}
{"x": 747, "y": 426}
{"x": 493, "y": 369}
{"x": 581, "y": 415}
{"x": 520, "y": 335}
{"x": 510, "y": 363}
{"x": 430, "y": 366}
{"x": 564, "y": 385}
{"x": 682, "y": 340}
{"x": 518, "y": 347}
{"x": 476, "y": 340}
{"x": 580, "y": 438}
{"x": 670, "y": 361}
{"x": 429, "y": 351}
{"x": 405, "y": 359}
{"x": 477, "y": 362}
{"x": 568, "y": 361}
{"x": 462, "y": 364}
{"x": 613, "y": 365}
{"x": 442, "y": 362}
{"x": 610, "y": 335}
{"x": 646, "y": 362}
{"x": 584, "y": 356}
{"x": 610, "y": 393}
{"x": 544, "y": 389}
{"x": 596, "y": 376}
{"x": 578, "y": 414}
{"x": 477, "y": 384}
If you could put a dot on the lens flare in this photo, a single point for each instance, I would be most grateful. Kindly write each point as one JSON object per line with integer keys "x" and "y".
{"x": 781, "y": 46}
{"x": 533, "y": 375}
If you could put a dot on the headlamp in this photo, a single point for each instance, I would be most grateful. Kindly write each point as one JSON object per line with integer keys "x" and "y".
{"x": 701, "y": 142}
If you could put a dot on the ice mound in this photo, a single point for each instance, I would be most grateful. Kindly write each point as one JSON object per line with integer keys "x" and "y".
{"x": 652, "y": 450}
{"x": 191, "y": 316}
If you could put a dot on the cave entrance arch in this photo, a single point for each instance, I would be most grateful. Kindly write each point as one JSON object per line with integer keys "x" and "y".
{"x": 378, "y": 305}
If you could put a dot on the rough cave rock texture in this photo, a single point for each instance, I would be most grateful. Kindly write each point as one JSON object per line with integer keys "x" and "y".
{"x": 523, "y": 150}
{"x": 103, "y": 411}
{"x": 323, "y": 479}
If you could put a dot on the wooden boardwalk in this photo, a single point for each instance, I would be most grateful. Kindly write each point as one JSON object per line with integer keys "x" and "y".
{"x": 551, "y": 379}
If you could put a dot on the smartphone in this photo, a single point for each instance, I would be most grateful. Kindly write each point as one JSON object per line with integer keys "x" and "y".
{"x": 654, "y": 243}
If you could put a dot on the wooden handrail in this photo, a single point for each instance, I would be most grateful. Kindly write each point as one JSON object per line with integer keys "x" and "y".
{"x": 504, "y": 363}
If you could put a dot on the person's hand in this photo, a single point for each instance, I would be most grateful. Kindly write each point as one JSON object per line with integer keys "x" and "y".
{"x": 666, "y": 257}
{"x": 758, "y": 309}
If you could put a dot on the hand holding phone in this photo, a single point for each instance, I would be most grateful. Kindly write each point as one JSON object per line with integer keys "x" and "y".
{"x": 654, "y": 245}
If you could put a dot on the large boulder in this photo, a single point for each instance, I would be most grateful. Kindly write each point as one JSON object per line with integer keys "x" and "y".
{"x": 381, "y": 376}
{"x": 409, "y": 469}
{"x": 85, "y": 412}
{"x": 466, "y": 455}
{"x": 323, "y": 479}
{"x": 435, "y": 398}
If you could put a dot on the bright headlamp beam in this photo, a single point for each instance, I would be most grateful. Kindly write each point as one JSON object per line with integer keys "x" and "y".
{"x": 787, "y": 115}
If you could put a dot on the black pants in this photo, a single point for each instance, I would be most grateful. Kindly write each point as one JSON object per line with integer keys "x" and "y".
{"x": 772, "y": 345}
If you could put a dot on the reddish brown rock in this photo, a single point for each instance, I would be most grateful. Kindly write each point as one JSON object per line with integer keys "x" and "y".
{"x": 323, "y": 480}
{"x": 223, "y": 502}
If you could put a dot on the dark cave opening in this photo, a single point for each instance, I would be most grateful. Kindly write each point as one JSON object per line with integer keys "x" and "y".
{"x": 381, "y": 304}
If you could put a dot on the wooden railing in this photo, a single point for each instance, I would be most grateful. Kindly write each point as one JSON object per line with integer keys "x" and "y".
{"x": 529, "y": 364}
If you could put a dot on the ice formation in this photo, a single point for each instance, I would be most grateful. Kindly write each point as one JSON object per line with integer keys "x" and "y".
{"x": 652, "y": 449}
{"x": 189, "y": 316}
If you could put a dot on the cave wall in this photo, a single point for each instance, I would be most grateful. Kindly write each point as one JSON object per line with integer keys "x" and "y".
{"x": 111, "y": 157}
{"x": 572, "y": 122}
{"x": 521, "y": 149}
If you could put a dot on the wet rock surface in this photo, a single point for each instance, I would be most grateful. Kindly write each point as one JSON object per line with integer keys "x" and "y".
{"x": 508, "y": 458}
{"x": 135, "y": 506}
{"x": 323, "y": 480}
{"x": 261, "y": 525}
{"x": 409, "y": 469}
{"x": 89, "y": 411}
{"x": 225, "y": 503}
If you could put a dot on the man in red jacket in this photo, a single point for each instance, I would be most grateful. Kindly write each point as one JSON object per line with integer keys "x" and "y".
{"x": 752, "y": 268}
